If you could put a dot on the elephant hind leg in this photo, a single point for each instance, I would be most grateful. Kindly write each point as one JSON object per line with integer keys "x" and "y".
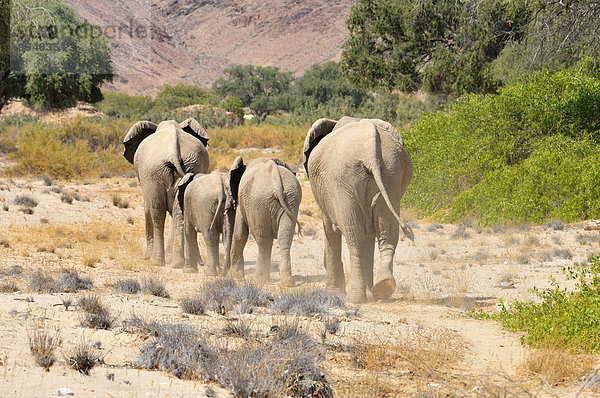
{"x": 191, "y": 249}
{"x": 285, "y": 237}
{"x": 263, "y": 262}
{"x": 361, "y": 269}
{"x": 387, "y": 230}
{"x": 149, "y": 232}
{"x": 211, "y": 241}
{"x": 335, "y": 280}
{"x": 240, "y": 237}
{"x": 158, "y": 247}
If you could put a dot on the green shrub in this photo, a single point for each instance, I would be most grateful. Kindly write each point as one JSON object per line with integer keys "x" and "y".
{"x": 563, "y": 319}
{"x": 529, "y": 153}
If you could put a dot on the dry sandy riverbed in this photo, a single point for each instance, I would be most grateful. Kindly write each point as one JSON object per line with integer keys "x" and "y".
{"x": 416, "y": 342}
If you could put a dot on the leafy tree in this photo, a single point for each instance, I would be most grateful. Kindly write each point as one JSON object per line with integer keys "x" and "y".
{"x": 56, "y": 60}
{"x": 171, "y": 97}
{"x": 264, "y": 89}
{"x": 439, "y": 46}
{"x": 234, "y": 104}
{"x": 323, "y": 82}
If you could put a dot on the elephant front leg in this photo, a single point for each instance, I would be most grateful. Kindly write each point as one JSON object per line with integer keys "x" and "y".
{"x": 335, "y": 280}
{"x": 263, "y": 262}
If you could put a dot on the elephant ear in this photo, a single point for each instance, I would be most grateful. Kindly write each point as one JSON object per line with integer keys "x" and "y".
{"x": 235, "y": 175}
{"x": 317, "y": 131}
{"x": 280, "y": 162}
{"x": 135, "y": 136}
{"x": 193, "y": 127}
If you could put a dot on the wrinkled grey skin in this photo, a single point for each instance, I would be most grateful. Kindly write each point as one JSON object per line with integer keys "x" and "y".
{"x": 268, "y": 196}
{"x": 358, "y": 171}
{"x": 162, "y": 155}
{"x": 207, "y": 208}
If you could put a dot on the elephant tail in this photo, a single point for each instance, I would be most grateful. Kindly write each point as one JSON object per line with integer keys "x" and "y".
{"x": 375, "y": 169}
{"x": 278, "y": 189}
{"x": 176, "y": 162}
{"x": 220, "y": 207}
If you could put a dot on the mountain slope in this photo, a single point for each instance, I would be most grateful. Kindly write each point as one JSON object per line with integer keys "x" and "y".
{"x": 192, "y": 41}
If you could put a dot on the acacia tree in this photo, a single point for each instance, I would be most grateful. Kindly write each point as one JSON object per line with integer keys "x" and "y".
{"x": 49, "y": 56}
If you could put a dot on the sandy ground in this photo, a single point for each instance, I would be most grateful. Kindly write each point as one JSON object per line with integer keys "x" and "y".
{"x": 440, "y": 275}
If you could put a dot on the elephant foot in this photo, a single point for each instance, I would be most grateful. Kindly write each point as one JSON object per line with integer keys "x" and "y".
{"x": 286, "y": 281}
{"x": 356, "y": 297}
{"x": 210, "y": 271}
{"x": 384, "y": 289}
{"x": 334, "y": 289}
{"x": 157, "y": 263}
{"x": 237, "y": 276}
{"x": 190, "y": 269}
{"x": 263, "y": 278}
{"x": 178, "y": 264}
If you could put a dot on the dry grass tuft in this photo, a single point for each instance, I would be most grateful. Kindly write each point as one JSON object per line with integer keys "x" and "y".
{"x": 43, "y": 345}
{"x": 119, "y": 202}
{"x": 84, "y": 356}
{"x": 557, "y": 366}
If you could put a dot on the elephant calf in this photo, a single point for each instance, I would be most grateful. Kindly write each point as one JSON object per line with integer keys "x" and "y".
{"x": 207, "y": 208}
{"x": 268, "y": 196}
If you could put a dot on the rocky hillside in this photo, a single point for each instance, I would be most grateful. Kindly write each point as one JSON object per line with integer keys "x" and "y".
{"x": 170, "y": 41}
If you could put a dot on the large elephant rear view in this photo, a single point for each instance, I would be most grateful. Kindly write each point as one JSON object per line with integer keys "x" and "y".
{"x": 358, "y": 171}
{"x": 162, "y": 154}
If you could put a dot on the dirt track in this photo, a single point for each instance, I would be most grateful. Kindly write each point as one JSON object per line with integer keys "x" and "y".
{"x": 442, "y": 273}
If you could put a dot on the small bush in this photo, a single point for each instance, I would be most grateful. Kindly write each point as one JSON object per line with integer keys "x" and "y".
{"x": 238, "y": 329}
{"x": 192, "y": 306}
{"x": 84, "y": 356}
{"x": 70, "y": 281}
{"x": 42, "y": 283}
{"x": 43, "y": 345}
{"x": 24, "y": 200}
{"x": 179, "y": 350}
{"x": 154, "y": 287}
{"x": 224, "y": 295}
{"x": 434, "y": 227}
{"x": 307, "y": 304}
{"x": 120, "y": 202}
{"x": 95, "y": 314}
{"x": 9, "y": 287}
{"x": 460, "y": 233}
{"x": 128, "y": 286}
{"x": 66, "y": 198}
{"x": 47, "y": 180}
{"x": 556, "y": 225}
{"x": 564, "y": 254}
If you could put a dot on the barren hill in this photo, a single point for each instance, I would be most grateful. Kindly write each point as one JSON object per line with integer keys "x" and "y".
{"x": 192, "y": 41}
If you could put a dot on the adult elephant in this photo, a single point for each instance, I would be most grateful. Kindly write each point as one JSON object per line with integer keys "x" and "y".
{"x": 162, "y": 154}
{"x": 358, "y": 171}
{"x": 268, "y": 196}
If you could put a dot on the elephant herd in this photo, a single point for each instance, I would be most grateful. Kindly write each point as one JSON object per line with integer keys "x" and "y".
{"x": 358, "y": 171}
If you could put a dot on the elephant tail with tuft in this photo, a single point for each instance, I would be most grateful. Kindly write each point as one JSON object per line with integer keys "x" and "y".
{"x": 374, "y": 167}
{"x": 278, "y": 188}
{"x": 220, "y": 207}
